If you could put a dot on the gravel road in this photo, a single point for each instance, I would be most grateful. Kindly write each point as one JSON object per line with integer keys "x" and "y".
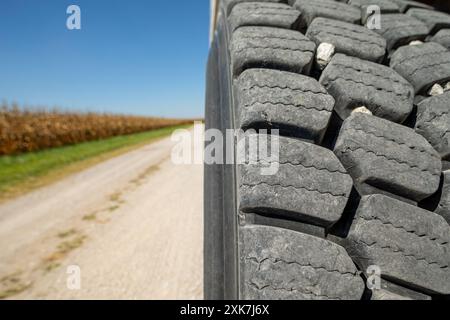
{"x": 132, "y": 226}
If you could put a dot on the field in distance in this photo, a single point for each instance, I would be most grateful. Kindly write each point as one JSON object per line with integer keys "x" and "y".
{"x": 39, "y": 147}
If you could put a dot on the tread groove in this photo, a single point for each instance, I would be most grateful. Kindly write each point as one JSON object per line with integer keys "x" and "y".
{"x": 400, "y": 162}
{"x": 288, "y": 186}
{"x": 402, "y": 252}
{"x": 415, "y": 232}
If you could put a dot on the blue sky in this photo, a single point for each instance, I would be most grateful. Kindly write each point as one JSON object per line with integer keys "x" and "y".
{"x": 131, "y": 56}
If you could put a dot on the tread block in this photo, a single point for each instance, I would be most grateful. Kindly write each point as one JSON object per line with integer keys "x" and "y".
{"x": 283, "y": 264}
{"x": 435, "y": 20}
{"x": 422, "y": 65}
{"x": 264, "y": 14}
{"x": 229, "y": 5}
{"x": 354, "y": 82}
{"x": 443, "y": 207}
{"x": 386, "y": 6}
{"x": 295, "y": 104}
{"x": 405, "y": 5}
{"x": 349, "y": 39}
{"x": 433, "y": 122}
{"x": 273, "y": 48}
{"x": 401, "y": 29}
{"x": 325, "y": 9}
{"x": 384, "y": 156}
{"x": 410, "y": 245}
{"x": 311, "y": 185}
{"x": 442, "y": 37}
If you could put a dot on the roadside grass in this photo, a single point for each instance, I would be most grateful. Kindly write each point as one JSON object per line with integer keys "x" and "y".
{"x": 62, "y": 250}
{"x": 11, "y": 285}
{"x": 90, "y": 217}
{"x": 25, "y": 172}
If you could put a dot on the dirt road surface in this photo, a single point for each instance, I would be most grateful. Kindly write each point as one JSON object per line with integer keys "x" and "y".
{"x": 128, "y": 228}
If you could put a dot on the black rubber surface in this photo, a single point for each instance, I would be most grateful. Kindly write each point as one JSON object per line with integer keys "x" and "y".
{"x": 400, "y": 29}
{"x": 385, "y": 156}
{"x": 361, "y": 145}
{"x": 443, "y": 207}
{"x": 295, "y": 104}
{"x": 410, "y": 245}
{"x": 434, "y": 20}
{"x": 350, "y": 39}
{"x": 405, "y": 5}
{"x": 354, "y": 83}
{"x": 270, "y": 47}
{"x": 433, "y": 122}
{"x": 264, "y": 14}
{"x": 283, "y": 264}
{"x": 325, "y": 9}
{"x": 310, "y": 184}
{"x": 366, "y": 7}
{"x": 422, "y": 65}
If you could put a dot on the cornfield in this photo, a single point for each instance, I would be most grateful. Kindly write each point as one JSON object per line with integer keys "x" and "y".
{"x": 25, "y": 130}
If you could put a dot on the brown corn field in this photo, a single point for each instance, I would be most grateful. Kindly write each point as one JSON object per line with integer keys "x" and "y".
{"x": 25, "y": 130}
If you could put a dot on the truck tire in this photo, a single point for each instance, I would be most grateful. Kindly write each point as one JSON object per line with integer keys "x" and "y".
{"x": 361, "y": 185}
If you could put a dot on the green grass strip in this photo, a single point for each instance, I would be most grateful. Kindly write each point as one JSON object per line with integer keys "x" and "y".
{"x": 19, "y": 168}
